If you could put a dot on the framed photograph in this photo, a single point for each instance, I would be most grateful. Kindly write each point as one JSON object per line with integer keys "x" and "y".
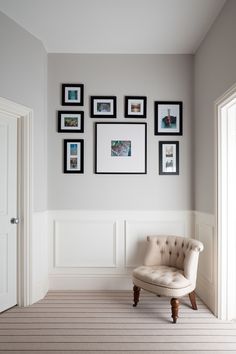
{"x": 168, "y": 158}
{"x": 70, "y": 122}
{"x": 73, "y": 156}
{"x": 72, "y": 95}
{"x": 121, "y": 148}
{"x": 168, "y": 118}
{"x": 103, "y": 107}
{"x": 135, "y": 106}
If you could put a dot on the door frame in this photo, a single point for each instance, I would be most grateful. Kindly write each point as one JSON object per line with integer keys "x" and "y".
{"x": 224, "y": 243}
{"x": 24, "y": 117}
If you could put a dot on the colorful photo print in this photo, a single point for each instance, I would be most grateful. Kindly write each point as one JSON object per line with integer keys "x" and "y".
{"x": 74, "y": 149}
{"x": 168, "y": 158}
{"x": 120, "y": 148}
{"x": 135, "y": 106}
{"x": 73, "y": 163}
{"x": 168, "y": 118}
{"x": 103, "y": 107}
{"x": 72, "y": 94}
{"x": 70, "y": 121}
{"x": 73, "y": 156}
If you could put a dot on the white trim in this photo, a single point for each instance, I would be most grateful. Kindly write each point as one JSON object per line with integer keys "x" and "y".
{"x": 206, "y": 278}
{"x": 24, "y": 187}
{"x": 221, "y": 204}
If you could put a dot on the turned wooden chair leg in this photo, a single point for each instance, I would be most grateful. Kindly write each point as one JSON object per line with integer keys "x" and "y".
{"x": 174, "y": 309}
{"x": 192, "y": 299}
{"x": 136, "y": 290}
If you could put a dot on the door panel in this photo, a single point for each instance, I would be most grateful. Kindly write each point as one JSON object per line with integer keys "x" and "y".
{"x": 8, "y": 209}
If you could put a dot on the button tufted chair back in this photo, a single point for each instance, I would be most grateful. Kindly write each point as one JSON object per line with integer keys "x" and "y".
{"x": 174, "y": 251}
{"x": 169, "y": 269}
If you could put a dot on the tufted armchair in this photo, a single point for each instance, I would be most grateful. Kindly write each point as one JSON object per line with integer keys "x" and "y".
{"x": 169, "y": 269}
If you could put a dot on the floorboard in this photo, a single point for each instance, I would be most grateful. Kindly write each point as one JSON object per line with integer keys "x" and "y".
{"x": 105, "y": 322}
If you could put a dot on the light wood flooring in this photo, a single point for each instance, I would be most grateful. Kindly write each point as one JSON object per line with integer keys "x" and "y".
{"x": 69, "y": 322}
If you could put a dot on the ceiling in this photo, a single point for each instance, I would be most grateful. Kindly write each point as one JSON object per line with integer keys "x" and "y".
{"x": 116, "y": 26}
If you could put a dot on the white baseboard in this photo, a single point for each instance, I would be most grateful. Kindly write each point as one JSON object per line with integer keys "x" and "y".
{"x": 70, "y": 282}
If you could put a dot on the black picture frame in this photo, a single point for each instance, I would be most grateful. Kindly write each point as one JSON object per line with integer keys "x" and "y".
{"x": 73, "y": 156}
{"x": 72, "y": 95}
{"x": 103, "y": 106}
{"x": 120, "y": 148}
{"x": 70, "y": 121}
{"x": 135, "y": 107}
{"x": 168, "y": 118}
{"x": 168, "y": 158}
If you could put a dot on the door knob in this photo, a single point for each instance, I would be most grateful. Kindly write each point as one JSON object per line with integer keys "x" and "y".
{"x": 15, "y": 220}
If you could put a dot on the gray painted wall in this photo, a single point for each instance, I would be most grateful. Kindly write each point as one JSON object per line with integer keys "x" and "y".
{"x": 215, "y": 73}
{"x": 159, "y": 77}
{"x": 23, "y": 73}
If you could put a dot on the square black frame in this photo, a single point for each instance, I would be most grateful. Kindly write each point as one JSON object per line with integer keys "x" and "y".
{"x": 176, "y": 158}
{"x": 135, "y": 115}
{"x": 168, "y": 119}
{"x": 81, "y": 143}
{"x": 94, "y": 113}
{"x": 70, "y": 130}
{"x": 74, "y": 102}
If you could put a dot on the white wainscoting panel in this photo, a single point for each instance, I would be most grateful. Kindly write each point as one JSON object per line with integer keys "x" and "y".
{"x": 97, "y": 250}
{"x": 39, "y": 244}
{"x": 136, "y": 232}
{"x": 206, "y": 284}
{"x": 80, "y": 243}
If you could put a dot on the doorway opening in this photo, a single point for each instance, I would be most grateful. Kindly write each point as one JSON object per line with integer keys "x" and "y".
{"x": 226, "y": 204}
{"x": 24, "y": 117}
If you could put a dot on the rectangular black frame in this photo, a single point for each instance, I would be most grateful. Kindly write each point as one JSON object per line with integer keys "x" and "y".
{"x": 164, "y": 122}
{"x": 171, "y": 160}
{"x": 77, "y": 101}
{"x": 80, "y": 155}
{"x": 61, "y": 126}
{"x": 128, "y": 103}
{"x": 116, "y": 130}
{"x": 103, "y": 100}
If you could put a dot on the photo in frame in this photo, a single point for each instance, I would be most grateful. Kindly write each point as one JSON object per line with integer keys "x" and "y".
{"x": 72, "y": 95}
{"x": 73, "y": 156}
{"x": 135, "y": 106}
{"x": 168, "y": 117}
{"x": 120, "y": 148}
{"x": 168, "y": 158}
{"x": 70, "y": 121}
{"x": 103, "y": 106}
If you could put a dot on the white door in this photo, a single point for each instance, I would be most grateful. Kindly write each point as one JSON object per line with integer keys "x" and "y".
{"x": 8, "y": 211}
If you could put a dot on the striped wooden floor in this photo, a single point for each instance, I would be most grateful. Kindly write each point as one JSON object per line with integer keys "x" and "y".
{"x": 105, "y": 322}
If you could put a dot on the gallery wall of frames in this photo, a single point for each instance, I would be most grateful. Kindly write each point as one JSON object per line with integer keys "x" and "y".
{"x": 120, "y": 147}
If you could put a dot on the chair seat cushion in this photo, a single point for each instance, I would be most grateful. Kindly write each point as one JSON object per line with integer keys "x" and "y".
{"x": 163, "y": 276}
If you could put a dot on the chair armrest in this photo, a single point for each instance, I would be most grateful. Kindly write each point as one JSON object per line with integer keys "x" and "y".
{"x": 191, "y": 260}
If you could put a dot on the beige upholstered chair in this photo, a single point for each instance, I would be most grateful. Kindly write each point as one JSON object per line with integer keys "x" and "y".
{"x": 170, "y": 269}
